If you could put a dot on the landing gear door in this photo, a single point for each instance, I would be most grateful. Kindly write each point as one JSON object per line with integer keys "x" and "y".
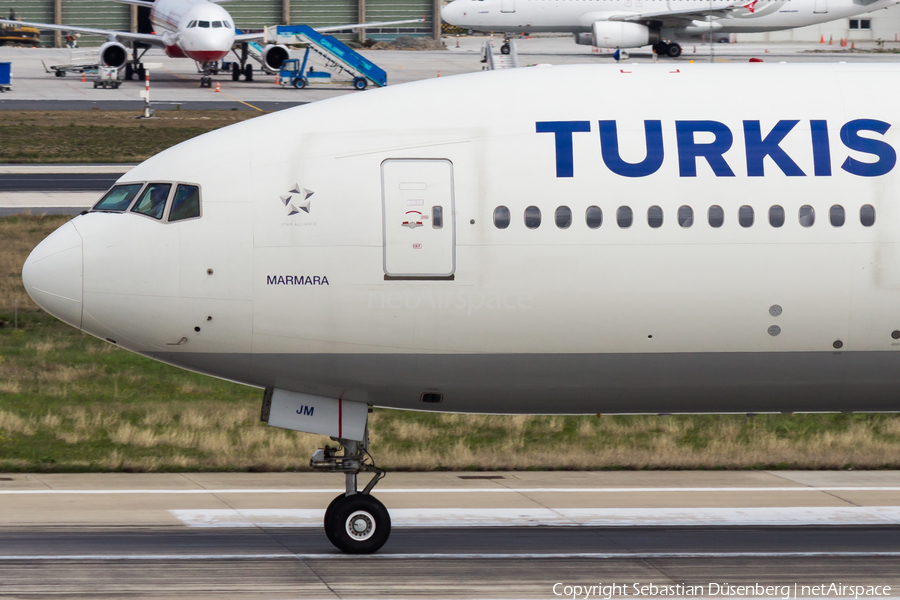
{"x": 418, "y": 218}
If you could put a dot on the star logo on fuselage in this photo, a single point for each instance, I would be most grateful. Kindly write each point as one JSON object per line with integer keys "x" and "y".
{"x": 297, "y": 199}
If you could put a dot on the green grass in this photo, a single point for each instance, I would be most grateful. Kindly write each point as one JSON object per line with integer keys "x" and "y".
{"x": 70, "y": 402}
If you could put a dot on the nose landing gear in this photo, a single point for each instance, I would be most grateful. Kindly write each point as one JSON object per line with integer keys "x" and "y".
{"x": 355, "y": 522}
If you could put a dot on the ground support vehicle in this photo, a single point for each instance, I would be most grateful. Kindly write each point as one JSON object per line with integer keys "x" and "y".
{"x": 337, "y": 56}
{"x": 5, "y": 76}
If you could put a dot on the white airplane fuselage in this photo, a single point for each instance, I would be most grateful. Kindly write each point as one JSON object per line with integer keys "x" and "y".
{"x": 577, "y": 17}
{"x": 209, "y": 43}
{"x": 317, "y": 264}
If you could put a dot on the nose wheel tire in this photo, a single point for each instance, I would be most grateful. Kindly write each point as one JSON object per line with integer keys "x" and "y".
{"x": 357, "y": 524}
{"x": 504, "y": 49}
{"x": 674, "y": 50}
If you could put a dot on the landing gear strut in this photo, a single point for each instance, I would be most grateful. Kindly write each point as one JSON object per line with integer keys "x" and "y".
{"x": 243, "y": 68}
{"x": 207, "y": 69}
{"x": 135, "y": 66}
{"x": 355, "y": 522}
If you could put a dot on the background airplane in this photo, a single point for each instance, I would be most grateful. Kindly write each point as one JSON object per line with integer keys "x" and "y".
{"x": 635, "y": 23}
{"x": 197, "y": 29}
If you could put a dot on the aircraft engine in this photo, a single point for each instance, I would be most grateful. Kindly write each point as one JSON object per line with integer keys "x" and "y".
{"x": 113, "y": 54}
{"x": 273, "y": 56}
{"x": 616, "y": 34}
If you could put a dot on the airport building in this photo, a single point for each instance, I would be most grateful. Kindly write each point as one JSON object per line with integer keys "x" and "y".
{"x": 248, "y": 15}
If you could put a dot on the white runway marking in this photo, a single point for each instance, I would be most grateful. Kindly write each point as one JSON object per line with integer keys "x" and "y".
{"x": 461, "y": 556}
{"x": 492, "y": 490}
{"x": 559, "y": 517}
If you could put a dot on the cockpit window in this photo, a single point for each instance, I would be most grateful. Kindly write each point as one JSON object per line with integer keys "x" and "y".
{"x": 227, "y": 24}
{"x": 203, "y": 24}
{"x": 186, "y": 204}
{"x": 153, "y": 201}
{"x": 119, "y": 198}
{"x": 192, "y": 24}
{"x": 217, "y": 24}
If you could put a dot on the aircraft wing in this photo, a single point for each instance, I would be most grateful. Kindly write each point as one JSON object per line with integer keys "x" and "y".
{"x": 148, "y": 38}
{"x": 678, "y": 17}
{"x": 251, "y": 37}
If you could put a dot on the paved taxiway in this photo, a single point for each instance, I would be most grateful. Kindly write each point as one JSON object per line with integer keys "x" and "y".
{"x": 456, "y": 534}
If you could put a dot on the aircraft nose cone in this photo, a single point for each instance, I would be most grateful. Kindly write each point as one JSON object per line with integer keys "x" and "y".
{"x": 53, "y": 274}
{"x": 451, "y": 12}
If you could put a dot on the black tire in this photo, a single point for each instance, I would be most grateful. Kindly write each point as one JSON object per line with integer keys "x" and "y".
{"x": 328, "y": 513}
{"x": 674, "y": 50}
{"x": 141, "y": 73}
{"x": 235, "y": 72}
{"x": 661, "y": 48}
{"x": 129, "y": 72}
{"x": 300, "y": 83}
{"x": 248, "y": 72}
{"x": 504, "y": 49}
{"x": 360, "y": 83}
{"x": 360, "y": 524}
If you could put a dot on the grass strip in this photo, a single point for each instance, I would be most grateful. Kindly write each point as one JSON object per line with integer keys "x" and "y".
{"x": 70, "y": 402}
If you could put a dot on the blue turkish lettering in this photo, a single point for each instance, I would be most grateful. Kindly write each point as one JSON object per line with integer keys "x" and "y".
{"x": 887, "y": 157}
{"x": 609, "y": 148}
{"x": 818, "y": 130}
{"x": 563, "y": 130}
{"x": 758, "y": 148}
{"x": 689, "y": 150}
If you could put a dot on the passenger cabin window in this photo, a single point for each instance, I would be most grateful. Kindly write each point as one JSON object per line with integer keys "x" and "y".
{"x": 437, "y": 217}
{"x": 716, "y": 216}
{"x": 532, "y": 217}
{"x": 745, "y": 216}
{"x": 204, "y": 24}
{"x": 563, "y": 217}
{"x": 685, "y": 216}
{"x": 776, "y": 216}
{"x": 186, "y": 204}
{"x": 654, "y": 217}
{"x": 867, "y": 215}
{"x": 501, "y": 217}
{"x": 836, "y": 215}
{"x": 119, "y": 198}
{"x": 593, "y": 216}
{"x": 807, "y": 215}
{"x": 153, "y": 201}
{"x": 624, "y": 216}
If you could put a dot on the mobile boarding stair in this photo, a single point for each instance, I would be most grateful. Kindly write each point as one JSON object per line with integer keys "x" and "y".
{"x": 504, "y": 57}
{"x": 337, "y": 56}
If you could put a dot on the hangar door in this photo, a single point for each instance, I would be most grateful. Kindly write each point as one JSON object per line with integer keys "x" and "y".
{"x": 418, "y": 218}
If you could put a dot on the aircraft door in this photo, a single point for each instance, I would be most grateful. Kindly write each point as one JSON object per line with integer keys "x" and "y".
{"x": 507, "y": 6}
{"x": 418, "y": 218}
{"x": 821, "y": 7}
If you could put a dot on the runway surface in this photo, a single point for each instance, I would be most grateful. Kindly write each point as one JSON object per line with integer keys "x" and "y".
{"x": 127, "y": 535}
{"x": 51, "y": 182}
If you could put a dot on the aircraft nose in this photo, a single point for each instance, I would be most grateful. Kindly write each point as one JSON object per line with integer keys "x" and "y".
{"x": 53, "y": 274}
{"x": 451, "y": 12}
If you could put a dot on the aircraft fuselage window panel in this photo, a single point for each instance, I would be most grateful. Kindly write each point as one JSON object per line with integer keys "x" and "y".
{"x": 776, "y": 216}
{"x": 593, "y": 216}
{"x": 217, "y": 24}
{"x": 867, "y": 215}
{"x": 685, "y": 216}
{"x": 563, "y": 217}
{"x": 204, "y": 24}
{"x": 153, "y": 200}
{"x": 654, "y": 217}
{"x": 437, "y": 217}
{"x": 532, "y": 217}
{"x": 501, "y": 217}
{"x": 836, "y": 214}
{"x": 807, "y": 216}
{"x": 119, "y": 198}
{"x": 186, "y": 204}
{"x": 227, "y": 24}
{"x": 624, "y": 217}
{"x": 716, "y": 216}
{"x": 745, "y": 216}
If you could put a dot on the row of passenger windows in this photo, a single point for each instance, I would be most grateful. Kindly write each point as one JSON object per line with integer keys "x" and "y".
{"x": 151, "y": 199}
{"x": 715, "y": 216}
{"x": 208, "y": 24}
